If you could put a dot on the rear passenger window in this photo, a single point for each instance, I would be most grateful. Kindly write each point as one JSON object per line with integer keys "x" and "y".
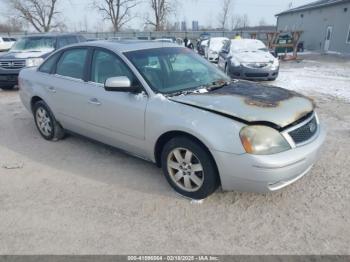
{"x": 72, "y": 63}
{"x": 48, "y": 65}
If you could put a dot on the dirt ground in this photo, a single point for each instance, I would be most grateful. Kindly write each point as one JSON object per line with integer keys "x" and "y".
{"x": 80, "y": 197}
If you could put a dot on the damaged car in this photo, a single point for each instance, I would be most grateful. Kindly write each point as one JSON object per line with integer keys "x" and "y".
{"x": 168, "y": 105}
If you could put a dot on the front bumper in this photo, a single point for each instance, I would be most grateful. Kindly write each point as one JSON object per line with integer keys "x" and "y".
{"x": 9, "y": 77}
{"x": 7, "y": 80}
{"x": 242, "y": 72}
{"x": 261, "y": 174}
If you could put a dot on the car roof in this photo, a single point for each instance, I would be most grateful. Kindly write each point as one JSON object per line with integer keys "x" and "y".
{"x": 128, "y": 45}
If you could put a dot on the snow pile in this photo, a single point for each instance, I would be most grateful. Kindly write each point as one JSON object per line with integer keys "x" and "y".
{"x": 316, "y": 77}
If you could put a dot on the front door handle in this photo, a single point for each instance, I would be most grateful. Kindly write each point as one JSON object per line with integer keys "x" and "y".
{"x": 94, "y": 101}
{"x": 52, "y": 89}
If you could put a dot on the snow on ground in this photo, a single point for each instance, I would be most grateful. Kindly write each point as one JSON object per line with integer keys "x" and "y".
{"x": 325, "y": 75}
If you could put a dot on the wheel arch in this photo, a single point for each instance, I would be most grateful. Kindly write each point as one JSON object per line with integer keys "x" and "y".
{"x": 34, "y": 100}
{"x": 166, "y": 137}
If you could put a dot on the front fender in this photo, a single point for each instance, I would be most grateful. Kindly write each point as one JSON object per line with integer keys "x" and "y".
{"x": 216, "y": 132}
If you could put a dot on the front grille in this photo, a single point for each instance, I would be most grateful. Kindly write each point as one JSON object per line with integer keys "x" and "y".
{"x": 12, "y": 64}
{"x": 256, "y": 65}
{"x": 257, "y": 74}
{"x": 304, "y": 133}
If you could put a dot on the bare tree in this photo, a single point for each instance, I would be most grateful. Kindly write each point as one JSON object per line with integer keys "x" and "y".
{"x": 41, "y": 14}
{"x": 262, "y": 22}
{"x": 239, "y": 21}
{"x": 160, "y": 12}
{"x": 118, "y": 12}
{"x": 225, "y": 13}
{"x": 11, "y": 25}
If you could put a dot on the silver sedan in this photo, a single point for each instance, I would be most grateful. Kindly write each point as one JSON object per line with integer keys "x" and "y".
{"x": 166, "y": 104}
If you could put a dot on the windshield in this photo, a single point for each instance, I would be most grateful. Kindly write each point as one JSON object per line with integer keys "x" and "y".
{"x": 173, "y": 70}
{"x": 247, "y": 45}
{"x": 35, "y": 44}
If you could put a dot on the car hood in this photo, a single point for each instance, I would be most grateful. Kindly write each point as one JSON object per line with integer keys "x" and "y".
{"x": 252, "y": 102}
{"x": 254, "y": 57}
{"x": 25, "y": 55}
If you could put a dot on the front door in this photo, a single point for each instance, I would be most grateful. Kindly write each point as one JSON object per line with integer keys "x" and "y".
{"x": 117, "y": 117}
{"x": 327, "y": 42}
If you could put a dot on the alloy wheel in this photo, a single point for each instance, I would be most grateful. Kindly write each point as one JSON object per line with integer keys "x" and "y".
{"x": 43, "y": 121}
{"x": 185, "y": 169}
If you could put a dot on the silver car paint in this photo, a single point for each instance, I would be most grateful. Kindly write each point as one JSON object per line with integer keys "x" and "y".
{"x": 134, "y": 123}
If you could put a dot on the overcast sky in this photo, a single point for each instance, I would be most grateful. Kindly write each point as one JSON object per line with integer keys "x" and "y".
{"x": 77, "y": 13}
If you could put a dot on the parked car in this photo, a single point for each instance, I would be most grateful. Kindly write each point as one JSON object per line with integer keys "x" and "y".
{"x": 119, "y": 38}
{"x": 31, "y": 51}
{"x": 6, "y": 43}
{"x": 214, "y": 47}
{"x": 248, "y": 59}
{"x": 166, "y": 104}
{"x": 201, "y": 46}
{"x": 165, "y": 40}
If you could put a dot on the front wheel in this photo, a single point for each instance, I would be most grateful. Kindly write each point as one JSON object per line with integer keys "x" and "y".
{"x": 189, "y": 168}
{"x": 46, "y": 123}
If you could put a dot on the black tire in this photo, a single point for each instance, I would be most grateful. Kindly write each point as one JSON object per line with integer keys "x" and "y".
{"x": 210, "y": 176}
{"x": 57, "y": 132}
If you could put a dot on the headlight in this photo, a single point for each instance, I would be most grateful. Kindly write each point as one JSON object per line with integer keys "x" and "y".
{"x": 263, "y": 140}
{"x": 34, "y": 62}
{"x": 275, "y": 64}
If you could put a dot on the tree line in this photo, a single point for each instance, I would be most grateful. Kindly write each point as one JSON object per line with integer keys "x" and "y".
{"x": 44, "y": 15}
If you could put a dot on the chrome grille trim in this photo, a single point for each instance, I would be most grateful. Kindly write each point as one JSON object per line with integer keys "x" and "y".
{"x": 12, "y": 64}
{"x": 287, "y": 133}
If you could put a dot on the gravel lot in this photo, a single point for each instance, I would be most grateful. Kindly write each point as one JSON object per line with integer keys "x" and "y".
{"x": 81, "y": 197}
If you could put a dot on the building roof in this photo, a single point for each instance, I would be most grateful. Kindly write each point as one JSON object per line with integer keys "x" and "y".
{"x": 314, "y": 5}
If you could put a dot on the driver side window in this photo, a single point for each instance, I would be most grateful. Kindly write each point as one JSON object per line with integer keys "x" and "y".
{"x": 106, "y": 65}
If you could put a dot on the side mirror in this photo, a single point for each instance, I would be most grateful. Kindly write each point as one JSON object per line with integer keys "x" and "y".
{"x": 120, "y": 84}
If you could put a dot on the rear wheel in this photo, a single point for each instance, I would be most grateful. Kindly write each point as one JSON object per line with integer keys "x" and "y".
{"x": 189, "y": 168}
{"x": 46, "y": 123}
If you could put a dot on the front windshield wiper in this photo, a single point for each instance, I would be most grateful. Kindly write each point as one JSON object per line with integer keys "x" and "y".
{"x": 217, "y": 85}
{"x": 209, "y": 87}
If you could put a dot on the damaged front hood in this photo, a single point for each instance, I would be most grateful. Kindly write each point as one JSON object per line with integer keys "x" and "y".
{"x": 252, "y": 102}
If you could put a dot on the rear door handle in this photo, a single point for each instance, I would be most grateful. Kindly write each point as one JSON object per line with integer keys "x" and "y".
{"x": 94, "y": 101}
{"x": 52, "y": 89}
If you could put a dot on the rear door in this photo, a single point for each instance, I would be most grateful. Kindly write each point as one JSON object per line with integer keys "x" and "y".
{"x": 69, "y": 89}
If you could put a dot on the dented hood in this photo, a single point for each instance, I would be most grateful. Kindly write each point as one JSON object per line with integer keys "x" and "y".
{"x": 252, "y": 102}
